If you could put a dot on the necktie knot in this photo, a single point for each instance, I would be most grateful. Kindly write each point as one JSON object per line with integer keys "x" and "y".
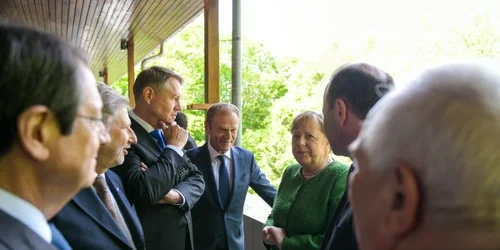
{"x": 158, "y": 136}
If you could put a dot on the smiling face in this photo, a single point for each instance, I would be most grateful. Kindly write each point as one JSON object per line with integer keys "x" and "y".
{"x": 223, "y": 130}
{"x": 309, "y": 145}
{"x": 122, "y": 136}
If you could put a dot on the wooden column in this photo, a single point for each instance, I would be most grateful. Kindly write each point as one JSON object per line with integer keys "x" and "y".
{"x": 211, "y": 51}
{"x": 105, "y": 77}
{"x": 130, "y": 66}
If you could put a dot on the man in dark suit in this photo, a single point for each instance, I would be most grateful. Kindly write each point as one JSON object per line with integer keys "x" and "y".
{"x": 228, "y": 172}
{"x": 50, "y": 129}
{"x": 167, "y": 190}
{"x": 351, "y": 92}
{"x": 101, "y": 217}
{"x": 181, "y": 120}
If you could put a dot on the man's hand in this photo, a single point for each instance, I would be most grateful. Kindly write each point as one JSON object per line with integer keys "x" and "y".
{"x": 172, "y": 198}
{"x": 143, "y": 167}
{"x": 267, "y": 237}
{"x": 174, "y": 134}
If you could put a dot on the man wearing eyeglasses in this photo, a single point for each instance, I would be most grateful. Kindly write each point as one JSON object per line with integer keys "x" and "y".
{"x": 101, "y": 217}
{"x": 48, "y": 100}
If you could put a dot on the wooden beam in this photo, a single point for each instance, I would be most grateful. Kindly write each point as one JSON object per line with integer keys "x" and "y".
{"x": 130, "y": 66}
{"x": 199, "y": 106}
{"x": 211, "y": 51}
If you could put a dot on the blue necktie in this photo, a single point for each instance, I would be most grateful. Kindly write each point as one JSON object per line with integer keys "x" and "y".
{"x": 223, "y": 181}
{"x": 58, "y": 239}
{"x": 157, "y": 134}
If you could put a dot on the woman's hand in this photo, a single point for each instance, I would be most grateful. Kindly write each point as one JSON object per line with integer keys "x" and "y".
{"x": 267, "y": 236}
{"x": 276, "y": 234}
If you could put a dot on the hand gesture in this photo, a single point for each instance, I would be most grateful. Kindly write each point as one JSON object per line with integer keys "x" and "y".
{"x": 174, "y": 134}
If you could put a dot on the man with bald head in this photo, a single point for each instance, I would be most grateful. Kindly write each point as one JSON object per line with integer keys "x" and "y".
{"x": 427, "y": 164}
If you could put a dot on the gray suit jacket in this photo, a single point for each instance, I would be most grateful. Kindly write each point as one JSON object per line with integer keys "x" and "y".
{"x": 217, "y": 227}
{"x": 17, "y": 236}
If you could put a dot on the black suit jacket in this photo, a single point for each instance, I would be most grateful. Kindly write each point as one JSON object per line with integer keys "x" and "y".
{"x": 340, "y": 231}
{"x": 86, "y": 223}
{"x": 163, "y": 225}
{"x": 218, "y": 227}
{"x": 17, "y": 236}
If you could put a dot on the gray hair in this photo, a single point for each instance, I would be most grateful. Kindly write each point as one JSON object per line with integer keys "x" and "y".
{"x": 220, "y": 107}
{"x": 111, "y": 99}
{"x": 446, "y": 126}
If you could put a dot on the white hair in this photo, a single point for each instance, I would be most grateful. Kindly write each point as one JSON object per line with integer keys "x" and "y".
{"x": 446, "y": 126}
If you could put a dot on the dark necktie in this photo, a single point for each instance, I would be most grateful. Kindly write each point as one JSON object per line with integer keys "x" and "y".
{"x": 58, "y": 239}
{"x": 223, "y": 181}
{"x": 158, "y": 135}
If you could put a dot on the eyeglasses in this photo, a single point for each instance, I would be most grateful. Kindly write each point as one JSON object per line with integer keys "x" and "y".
{"x": 101, "y": 125}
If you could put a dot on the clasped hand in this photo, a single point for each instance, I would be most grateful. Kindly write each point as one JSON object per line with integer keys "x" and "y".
{"x": 273, "y": 236}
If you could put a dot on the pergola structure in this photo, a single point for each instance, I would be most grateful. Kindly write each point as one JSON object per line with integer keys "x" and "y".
{"x": 117, "y": 34}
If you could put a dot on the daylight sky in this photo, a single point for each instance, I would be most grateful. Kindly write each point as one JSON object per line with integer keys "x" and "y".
{"x": 306, "y": 28}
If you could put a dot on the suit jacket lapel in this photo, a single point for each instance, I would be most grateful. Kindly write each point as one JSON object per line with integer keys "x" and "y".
{"x": 237, "y": 172}
{"x": 144, "y": 138}
{"x": 209, "y": 174}
{"x": 126, "y": 209}
{"x": 90, "y": 203}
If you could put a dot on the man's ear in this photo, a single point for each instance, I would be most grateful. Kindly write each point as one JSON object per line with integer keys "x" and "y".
{"x": 340, "y": 109}
{"x": 34, "y": 126}
{"x": 148, "y": 94}
{"x": 406, "y": 200}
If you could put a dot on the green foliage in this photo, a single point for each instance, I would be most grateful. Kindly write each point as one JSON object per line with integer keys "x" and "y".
{"x": 275, "y": 89}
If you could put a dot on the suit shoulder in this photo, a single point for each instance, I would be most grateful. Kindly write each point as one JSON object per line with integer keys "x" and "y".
{"x": 242, "y": 151}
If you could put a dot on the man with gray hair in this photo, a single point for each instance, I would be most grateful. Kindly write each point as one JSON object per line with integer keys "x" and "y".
{"x": 101, "y": 217}
{"x": 427, "y": 164}
{"x": 228, "y": 171}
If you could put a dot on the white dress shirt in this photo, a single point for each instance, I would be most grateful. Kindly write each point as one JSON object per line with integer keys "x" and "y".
{"x": 216, "y": 165}
{"x": 25, "y": 212}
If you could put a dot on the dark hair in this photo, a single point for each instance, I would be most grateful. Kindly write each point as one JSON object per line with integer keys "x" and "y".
{"x": 218, "y": 107}
{"x": 181, "y": 120}
{"x": 36, "y": 68}
{"x": 154, "y": 77}
{"x": 361, "y": 85}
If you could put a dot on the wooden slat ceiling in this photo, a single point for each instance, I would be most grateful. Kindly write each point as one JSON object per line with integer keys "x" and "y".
{"x": 97, "y": 26}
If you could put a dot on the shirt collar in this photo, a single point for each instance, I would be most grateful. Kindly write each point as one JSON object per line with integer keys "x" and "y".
{"x": 214, "y": 153}
{"x": 141, "y": 122}
{"x": 25, "y": 212}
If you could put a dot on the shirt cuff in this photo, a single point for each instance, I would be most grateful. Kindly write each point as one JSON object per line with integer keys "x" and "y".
{"x": 176, "y": 149}
{"x": 183, "y": 199}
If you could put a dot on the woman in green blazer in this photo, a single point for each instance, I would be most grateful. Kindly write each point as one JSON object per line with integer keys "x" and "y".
{"x": 309, "y": 191}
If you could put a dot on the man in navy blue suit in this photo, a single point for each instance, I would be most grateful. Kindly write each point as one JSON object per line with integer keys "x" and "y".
{"x": 228, "y": 172}
{"x": 101, "y": 217}
{"x": 50, "y": 132}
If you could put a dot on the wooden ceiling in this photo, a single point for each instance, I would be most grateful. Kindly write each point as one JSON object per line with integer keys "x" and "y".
{"x": 97, "y": 26}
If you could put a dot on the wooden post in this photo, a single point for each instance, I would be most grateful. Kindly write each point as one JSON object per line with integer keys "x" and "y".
{"x": 130, "y": 66}
{"x": 211, "y": 51}
{"x": 106, "y": 76}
